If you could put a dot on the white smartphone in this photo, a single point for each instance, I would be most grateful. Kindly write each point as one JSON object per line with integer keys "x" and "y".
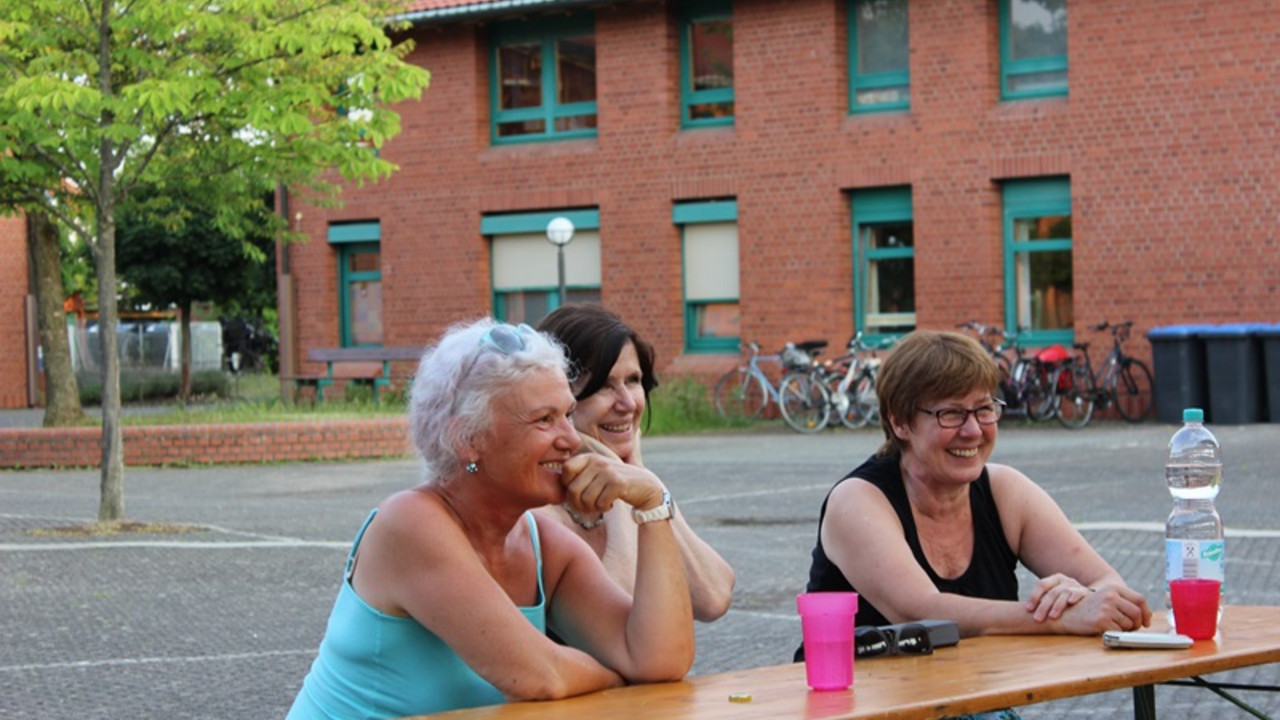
{"x": 1145, "y": 640}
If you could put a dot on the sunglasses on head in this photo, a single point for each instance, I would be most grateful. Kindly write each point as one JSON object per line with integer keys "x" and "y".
{"x": 507, "y": 339}
{"x": 909, "y": 639}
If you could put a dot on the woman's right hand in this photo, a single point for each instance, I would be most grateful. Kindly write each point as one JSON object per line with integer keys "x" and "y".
{"x": 594, "y": 482}
{"x": 1112, "y": 606}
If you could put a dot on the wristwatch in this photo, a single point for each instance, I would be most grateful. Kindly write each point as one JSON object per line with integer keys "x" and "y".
{"x": 662, "y": 512}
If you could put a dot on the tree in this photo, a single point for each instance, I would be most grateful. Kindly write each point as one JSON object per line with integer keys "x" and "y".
{"x": 173, "y": 252}
{"x": 61, "y": 391}
{"x": 102, "y": 98}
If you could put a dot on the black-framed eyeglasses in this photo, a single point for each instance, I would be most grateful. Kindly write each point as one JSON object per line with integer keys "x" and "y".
{"x": 909, "y": 639}
{"x": 988, "y": 414}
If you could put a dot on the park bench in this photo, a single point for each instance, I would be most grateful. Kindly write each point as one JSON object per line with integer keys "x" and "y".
{"x": 362, "y": 365}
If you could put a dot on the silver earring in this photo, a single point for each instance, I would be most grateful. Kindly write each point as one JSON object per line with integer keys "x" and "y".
{"x": 472, "y": 467}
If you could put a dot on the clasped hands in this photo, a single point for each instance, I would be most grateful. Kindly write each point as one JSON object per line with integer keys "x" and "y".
{"x": 1083, "y": 610}
{"x": 595, "y": 479}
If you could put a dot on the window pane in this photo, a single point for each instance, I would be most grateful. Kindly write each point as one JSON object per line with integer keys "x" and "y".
{"x": 710, "y": 110}
{"x": 1049, "y": 227}
{"x": 520, "y": 68}
{"x": 527, "y": 127}
{"x": 882, "y": 36}
{"x": 581, "y": 295}
{"x": 1044, "y": 290}
{"x": 1037, "y": 28}
{"x": 576, "y": 70}
{"x": 716, "y": 320}
{"x": 883, "y": 96}
{"x": 890, "y": 235}
{"x": 577, "y": 122}
{"x": 364, "y": 302}
{"x": 363, "y": 262}
{"x": 1031, "y": 82}
{"x": 711, "y": 51}
{"x": 525, "y": 307}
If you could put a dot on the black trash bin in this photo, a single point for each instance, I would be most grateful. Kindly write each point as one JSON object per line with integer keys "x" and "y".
{"x": 1234, "y": 363}
{"x": 1177, "y": 357}
{"x": 1269, "y": 336}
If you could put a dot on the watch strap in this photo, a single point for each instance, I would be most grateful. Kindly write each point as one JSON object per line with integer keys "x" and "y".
{"x": 664, "y": 511}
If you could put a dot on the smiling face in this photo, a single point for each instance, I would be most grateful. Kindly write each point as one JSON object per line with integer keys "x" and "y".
{"x": 935, "y": 454}
{"x": 530, "y": 438}
{"x": 612, "y": 413}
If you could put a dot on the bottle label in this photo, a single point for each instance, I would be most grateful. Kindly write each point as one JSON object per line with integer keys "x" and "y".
{"x": 1194, "y": 559}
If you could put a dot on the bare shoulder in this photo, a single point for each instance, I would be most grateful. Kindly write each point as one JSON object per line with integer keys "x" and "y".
{"x": 856, "y": 499}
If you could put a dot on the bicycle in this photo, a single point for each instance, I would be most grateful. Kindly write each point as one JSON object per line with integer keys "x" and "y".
{"x": 803, "y": 399}
{"x": 1122, "y": 381}
{"x": 1024, "y": 378}
{"x": 744, "y": 392}
{"x": 851, "y": 383}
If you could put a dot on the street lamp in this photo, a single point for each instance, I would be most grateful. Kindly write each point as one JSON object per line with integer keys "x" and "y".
{"x": 559, "y": 233}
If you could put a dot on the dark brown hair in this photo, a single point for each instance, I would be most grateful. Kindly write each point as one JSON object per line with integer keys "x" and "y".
{"x": 927, "y": 366}
{"x": 593, "y": 338}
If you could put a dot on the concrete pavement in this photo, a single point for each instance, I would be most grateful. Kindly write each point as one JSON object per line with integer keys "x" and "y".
{"x": 223, "y": 622}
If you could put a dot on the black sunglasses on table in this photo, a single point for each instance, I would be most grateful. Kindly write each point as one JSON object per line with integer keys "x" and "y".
{"x": 909, "y": 639}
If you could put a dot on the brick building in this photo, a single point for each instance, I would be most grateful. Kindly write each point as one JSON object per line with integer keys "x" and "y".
{"x": 17, "y": 315}
{"x": 765, "y": 170}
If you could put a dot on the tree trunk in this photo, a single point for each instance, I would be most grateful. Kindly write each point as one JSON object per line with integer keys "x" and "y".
{"x": 62, "y": 393}
{"x": 184, "y": 393}
{"x": 111, "y": 504}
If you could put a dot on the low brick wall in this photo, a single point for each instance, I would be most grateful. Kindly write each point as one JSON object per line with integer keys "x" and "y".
{"x": 209, "y": 444}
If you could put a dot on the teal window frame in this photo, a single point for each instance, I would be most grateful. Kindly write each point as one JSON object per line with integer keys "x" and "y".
{"x": 691, "y": 14}
{"x": 873, "y": 81}
{"x": 869, "y": 207}
{"x": 534, "y": 222}
{"x": 1012, "y": 69}
{"x": 1033, "y": 198}
{"x": 351, "y": 239}
{"x": 547, "y": 33}
{"x": 689, "y": 213}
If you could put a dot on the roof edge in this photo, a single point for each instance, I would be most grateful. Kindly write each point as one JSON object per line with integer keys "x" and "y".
{"x": 492, "y": 8}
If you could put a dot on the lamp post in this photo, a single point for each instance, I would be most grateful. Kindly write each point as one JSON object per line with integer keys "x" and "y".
{"x": 559, "y": 233}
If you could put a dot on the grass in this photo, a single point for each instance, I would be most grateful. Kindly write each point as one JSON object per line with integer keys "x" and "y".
{"x": 679, "y": 406}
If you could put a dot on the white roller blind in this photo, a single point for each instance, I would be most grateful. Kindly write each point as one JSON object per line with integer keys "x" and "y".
{"x": 711, "y": 261}
{"x": 528, "y": 260}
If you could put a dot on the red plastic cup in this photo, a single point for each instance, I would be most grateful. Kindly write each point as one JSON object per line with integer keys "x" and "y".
{"x": 1195, "y": 606}
{"x": 826, "y": 621}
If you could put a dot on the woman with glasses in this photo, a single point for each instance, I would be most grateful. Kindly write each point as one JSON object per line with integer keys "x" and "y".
{"x": 614, "y": 374}
{"x": 926, "y": 528}
{"x": 450, "y": 587}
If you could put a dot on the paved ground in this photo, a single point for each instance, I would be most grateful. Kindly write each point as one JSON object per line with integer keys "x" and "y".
{"x": 223, "y": 623}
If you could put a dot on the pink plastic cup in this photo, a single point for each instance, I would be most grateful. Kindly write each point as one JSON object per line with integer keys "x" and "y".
{"x": 826, "y": 620}
{"x": 1195, "y": 606}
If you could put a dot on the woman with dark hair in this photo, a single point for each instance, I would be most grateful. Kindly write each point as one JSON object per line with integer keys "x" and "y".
{"x": 926, "y": 528}
{"x": 612, "y": 369}
{"x": 451, "y": 587}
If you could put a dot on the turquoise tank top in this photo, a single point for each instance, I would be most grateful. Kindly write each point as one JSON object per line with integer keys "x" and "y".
{"x": 374, "y": 665}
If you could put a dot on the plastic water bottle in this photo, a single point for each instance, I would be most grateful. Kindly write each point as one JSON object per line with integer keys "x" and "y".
{"x": 1193, "y": 534}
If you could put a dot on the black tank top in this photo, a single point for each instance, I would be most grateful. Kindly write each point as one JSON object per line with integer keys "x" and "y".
{"x": 992, "y": 568}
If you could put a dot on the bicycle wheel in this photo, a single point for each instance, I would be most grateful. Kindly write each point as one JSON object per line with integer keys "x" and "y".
{"x": 740, "y": 395}
{"x": 1037, "y": 392}
{"x": 844, "y": 405}
{"x": 803, "y": 400}
{"x": 1131, "y": 389}
{"x": 1073, "y": 401}
{"x": 864, "y": 391}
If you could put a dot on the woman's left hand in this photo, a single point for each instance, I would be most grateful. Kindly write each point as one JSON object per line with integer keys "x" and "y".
{"x": 1053, "y": 594}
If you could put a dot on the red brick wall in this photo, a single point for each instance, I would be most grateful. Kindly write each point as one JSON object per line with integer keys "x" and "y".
{"x": 209, "y": 444}
{"x": 1169, "y": 135}
{"x": 13, "y": 313}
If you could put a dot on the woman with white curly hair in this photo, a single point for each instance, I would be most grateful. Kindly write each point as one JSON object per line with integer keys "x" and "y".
{"x": 451, "y": 586}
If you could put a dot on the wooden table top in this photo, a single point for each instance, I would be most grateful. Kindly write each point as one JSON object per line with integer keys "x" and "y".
{"x": 977, "y": 675}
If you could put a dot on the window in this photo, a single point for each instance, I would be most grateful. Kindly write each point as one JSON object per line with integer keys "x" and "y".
{"x": 709, "y": 237}
{"x": 706, "y": 63}
{"x": 884, "y": 276}
{"x": 525, "y": 265}
{"x": 879, "y": 77}
{"x": 543, "y": 80}
{"x": 1037, "y": 251}
{"x": 1033, "y": 48}
{"x": 359, "y": 282}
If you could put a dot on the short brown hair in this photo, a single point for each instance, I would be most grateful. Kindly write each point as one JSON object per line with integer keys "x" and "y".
{"x": 927, "y": 366}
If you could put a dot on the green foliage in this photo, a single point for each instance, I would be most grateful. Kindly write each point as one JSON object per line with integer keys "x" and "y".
{"x": 683, "y": 405}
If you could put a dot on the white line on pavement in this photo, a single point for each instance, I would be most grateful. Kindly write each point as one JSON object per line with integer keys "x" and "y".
{"x": 79, "y": 664}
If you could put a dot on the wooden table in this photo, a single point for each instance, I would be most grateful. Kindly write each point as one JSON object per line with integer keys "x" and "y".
{"x": 977, "y": 675}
